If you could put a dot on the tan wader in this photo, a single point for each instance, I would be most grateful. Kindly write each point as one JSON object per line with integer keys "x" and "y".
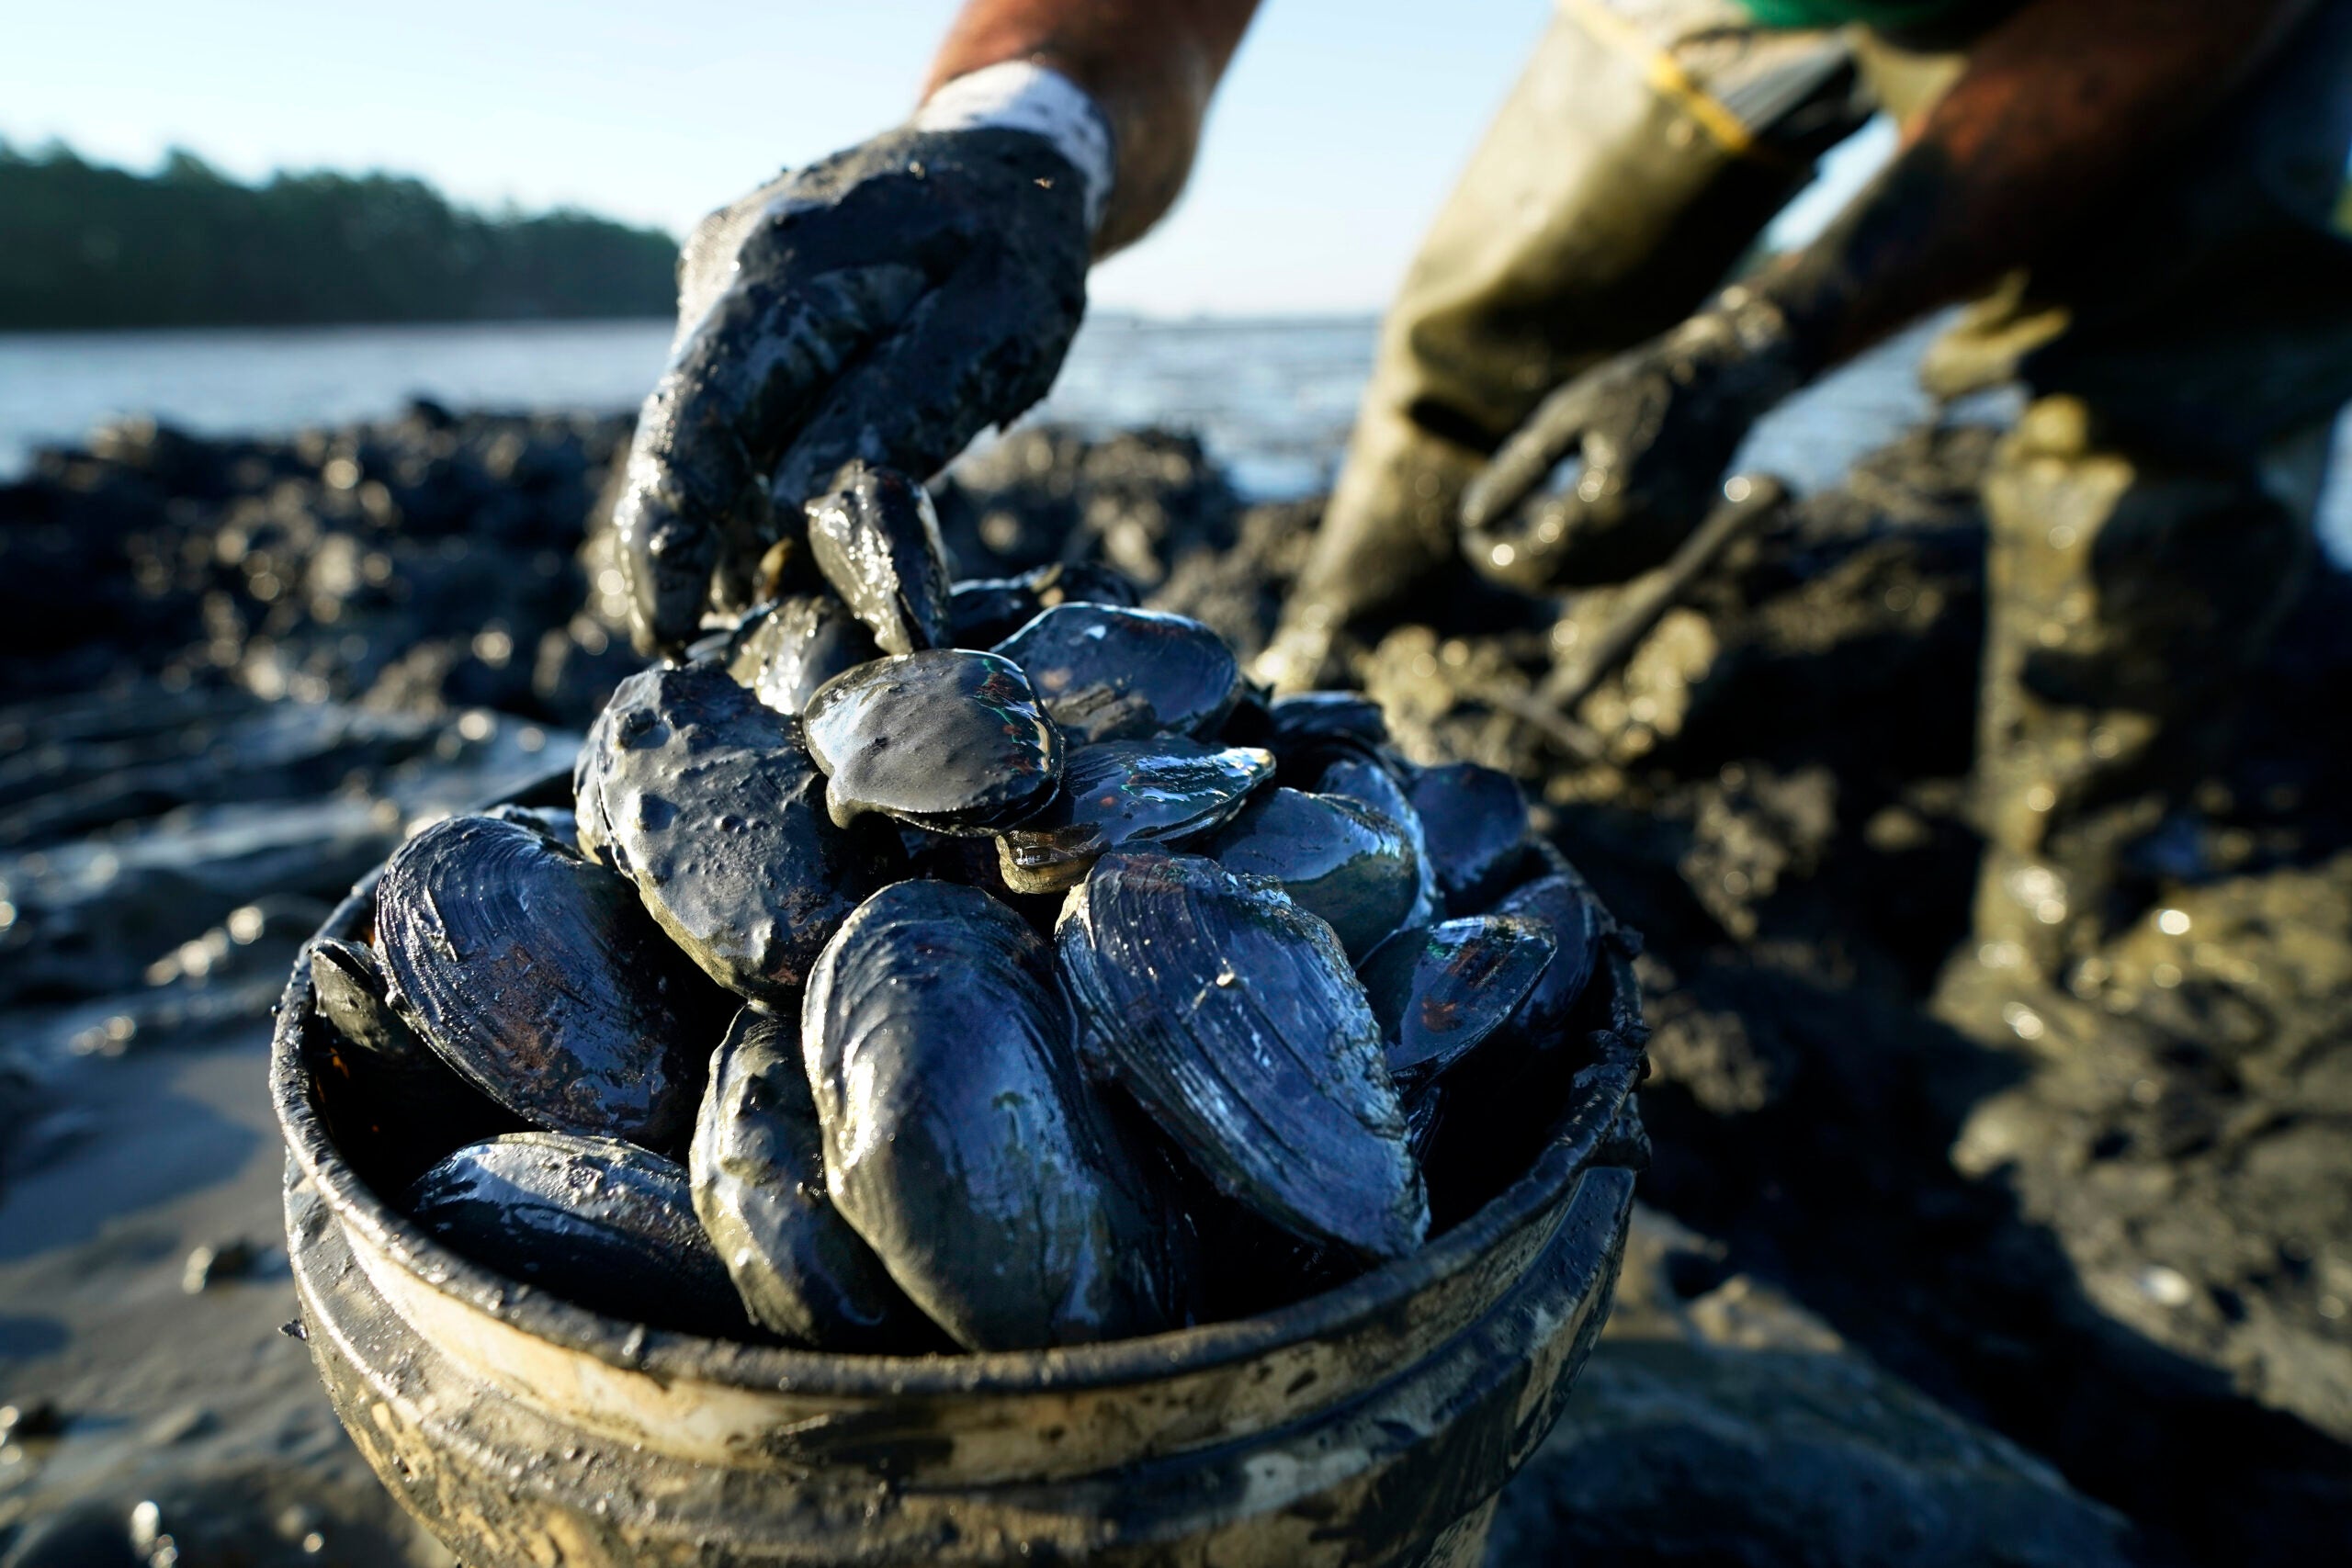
{"x": 2149, "y": 514}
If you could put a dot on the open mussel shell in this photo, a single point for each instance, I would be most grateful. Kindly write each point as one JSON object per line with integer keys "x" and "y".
{"x": 964, "y": 1142}
{"x": 984, "y": 611}
{"x": 710, "y": 806}
{"x": 1105, "y": 674}
{"x": 1334, "y": 859}
{"x": 876, "y": 538}
{"x": 758, "y": 1167}
{"x": 1233, "y": 1017}
{"x": 784, "y": 651}
{"x": 1157, "y": 791}
{"x": 395, "y": 1105}
{"x": 946, "y": 740}
{"x": 599, "y": 1223}
{"x": 1441, "y": 990}
{"x": 1565, "y": 904}
{"x": 540, "y": 978}
{"x": 1473, "y": 822}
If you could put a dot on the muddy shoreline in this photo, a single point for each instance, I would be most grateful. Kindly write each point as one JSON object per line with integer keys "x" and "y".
{"x": 1906, "y": 1263}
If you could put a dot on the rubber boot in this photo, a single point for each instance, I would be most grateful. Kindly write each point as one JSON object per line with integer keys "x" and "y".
{"x": 2129, "y": 599}
{"x": 1642, "y": 149}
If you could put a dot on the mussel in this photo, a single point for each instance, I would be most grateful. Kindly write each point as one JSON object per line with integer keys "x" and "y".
{"x": 1308, "y": 731}
{"x": 984, "y": 611}
{"x": 395, "y": 1105}
{"x": 557, "y": 823}
{"x": 875, "y": 536}
{"x": 540, "y": 978}
{"x": 1234, "y": 1019}
{"x": 1105, "y": 674}
{"x": 758, "y": 1167}
{"x": 1441, "y": 990}
{"x": 1121, "y": 792}
{"x": 1474, "y": 820}
{"x": 946, "y": 740}
{"x": 784, "y": 651}
{"x": 600, "y": 1223}
{"x": 707, "y": 801}
{"x": 1562, "y": 902}
{"x": 963, "y": 1141}
{"x": 1371, "y": 786}
{"x": 1335, "y": 858}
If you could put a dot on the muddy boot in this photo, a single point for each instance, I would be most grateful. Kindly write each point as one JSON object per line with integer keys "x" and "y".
{"x": 2130, "y": 596}
{"x": 1645, "y": 146}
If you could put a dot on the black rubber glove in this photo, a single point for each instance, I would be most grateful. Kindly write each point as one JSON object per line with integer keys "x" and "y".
{"x": 1655, "y": 427}
{"x": 888, "y": 303}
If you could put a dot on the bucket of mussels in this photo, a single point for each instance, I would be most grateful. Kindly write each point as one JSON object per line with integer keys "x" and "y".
{"x": 957, "y": 1075}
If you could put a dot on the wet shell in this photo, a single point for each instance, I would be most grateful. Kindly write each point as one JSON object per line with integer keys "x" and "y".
{"x": 1163, "y": 789}
{"x": 963, "y": 1141}
{"x": 1373, "y": 786}
{"x": 1565, "y": 904}
{"x": 709, "y": 805}
{"x": 597, "y": 1222}
{"x": 946, "y": 740}
{"x": 540, "y": 978}
{"x": 758, "y": 1167}
{"x": 1105, "y": 674}
{"x": 1474, "y": 820}
{"x": 557, "y": 823}
{"x": 395, "y": 1105}
{"x": 984, "y": 611}
{"x": 1233, "y": 1018}
{"x": 785, "y": 651}
{"x": 876, "y": 538}
{"x": 1440, "y": 990}
{"x": 1308, "y": 731}
{"x": 1335, "y": 858}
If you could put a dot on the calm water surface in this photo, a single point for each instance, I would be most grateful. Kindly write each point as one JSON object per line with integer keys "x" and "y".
{"x": 1273, "y": 398}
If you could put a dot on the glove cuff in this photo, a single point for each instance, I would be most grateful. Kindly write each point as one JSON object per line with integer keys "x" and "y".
{"x": 1019, "y": 94}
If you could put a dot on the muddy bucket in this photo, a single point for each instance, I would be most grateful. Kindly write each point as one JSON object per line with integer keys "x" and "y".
{"x": 1370, "y": 1425}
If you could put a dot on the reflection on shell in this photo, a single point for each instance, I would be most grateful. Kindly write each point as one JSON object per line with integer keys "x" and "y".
{"x": 539, "y": 977}
{"x": 1105, "y": 674}
{"x": 1233, "y": 1018}
{"x": 963, "y": 1141}
{"x": 1335, "y": 860}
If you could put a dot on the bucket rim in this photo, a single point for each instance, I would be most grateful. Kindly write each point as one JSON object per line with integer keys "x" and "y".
{"x": 1580, "y": 1139}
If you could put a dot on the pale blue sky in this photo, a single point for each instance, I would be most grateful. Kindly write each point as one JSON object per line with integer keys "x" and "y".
{"x": 1334, "y": 139}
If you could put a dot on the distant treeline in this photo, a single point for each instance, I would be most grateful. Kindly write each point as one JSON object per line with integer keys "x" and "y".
{"x": 82, "y": 245}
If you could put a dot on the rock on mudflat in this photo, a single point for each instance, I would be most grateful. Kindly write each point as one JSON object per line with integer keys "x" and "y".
{"x": 706, "y": 800}
{"x": 595, "y": 1221}
{"x": 1105, "y": 674}
{"x": 538, "y": 975}
{"x": 758, "y": 1167}
{"x": 785, "y": 651}
{"x": 1232, "y": 1017}
{"x": 876, "y": 538}
{"x": 962, "y": 1139}
{"x": 946, "y": 739}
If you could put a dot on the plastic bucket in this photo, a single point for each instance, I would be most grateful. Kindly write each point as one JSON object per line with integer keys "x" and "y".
{"x": 1370, "y": 1425}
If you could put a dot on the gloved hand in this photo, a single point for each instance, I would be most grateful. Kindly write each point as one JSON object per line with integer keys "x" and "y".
{"x": 1655, "y": 427}
{"x": 886, "y": 303}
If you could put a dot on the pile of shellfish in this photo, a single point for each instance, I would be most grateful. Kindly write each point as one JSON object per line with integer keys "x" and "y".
{"x": 985, "y": 964}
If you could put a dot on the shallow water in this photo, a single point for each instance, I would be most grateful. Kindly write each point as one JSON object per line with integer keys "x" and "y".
{"x": 1271, "y": 399}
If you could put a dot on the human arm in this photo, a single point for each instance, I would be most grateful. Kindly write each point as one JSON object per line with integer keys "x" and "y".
{"x": 2063, "y": 102}
{"x": 890, "y": 302}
